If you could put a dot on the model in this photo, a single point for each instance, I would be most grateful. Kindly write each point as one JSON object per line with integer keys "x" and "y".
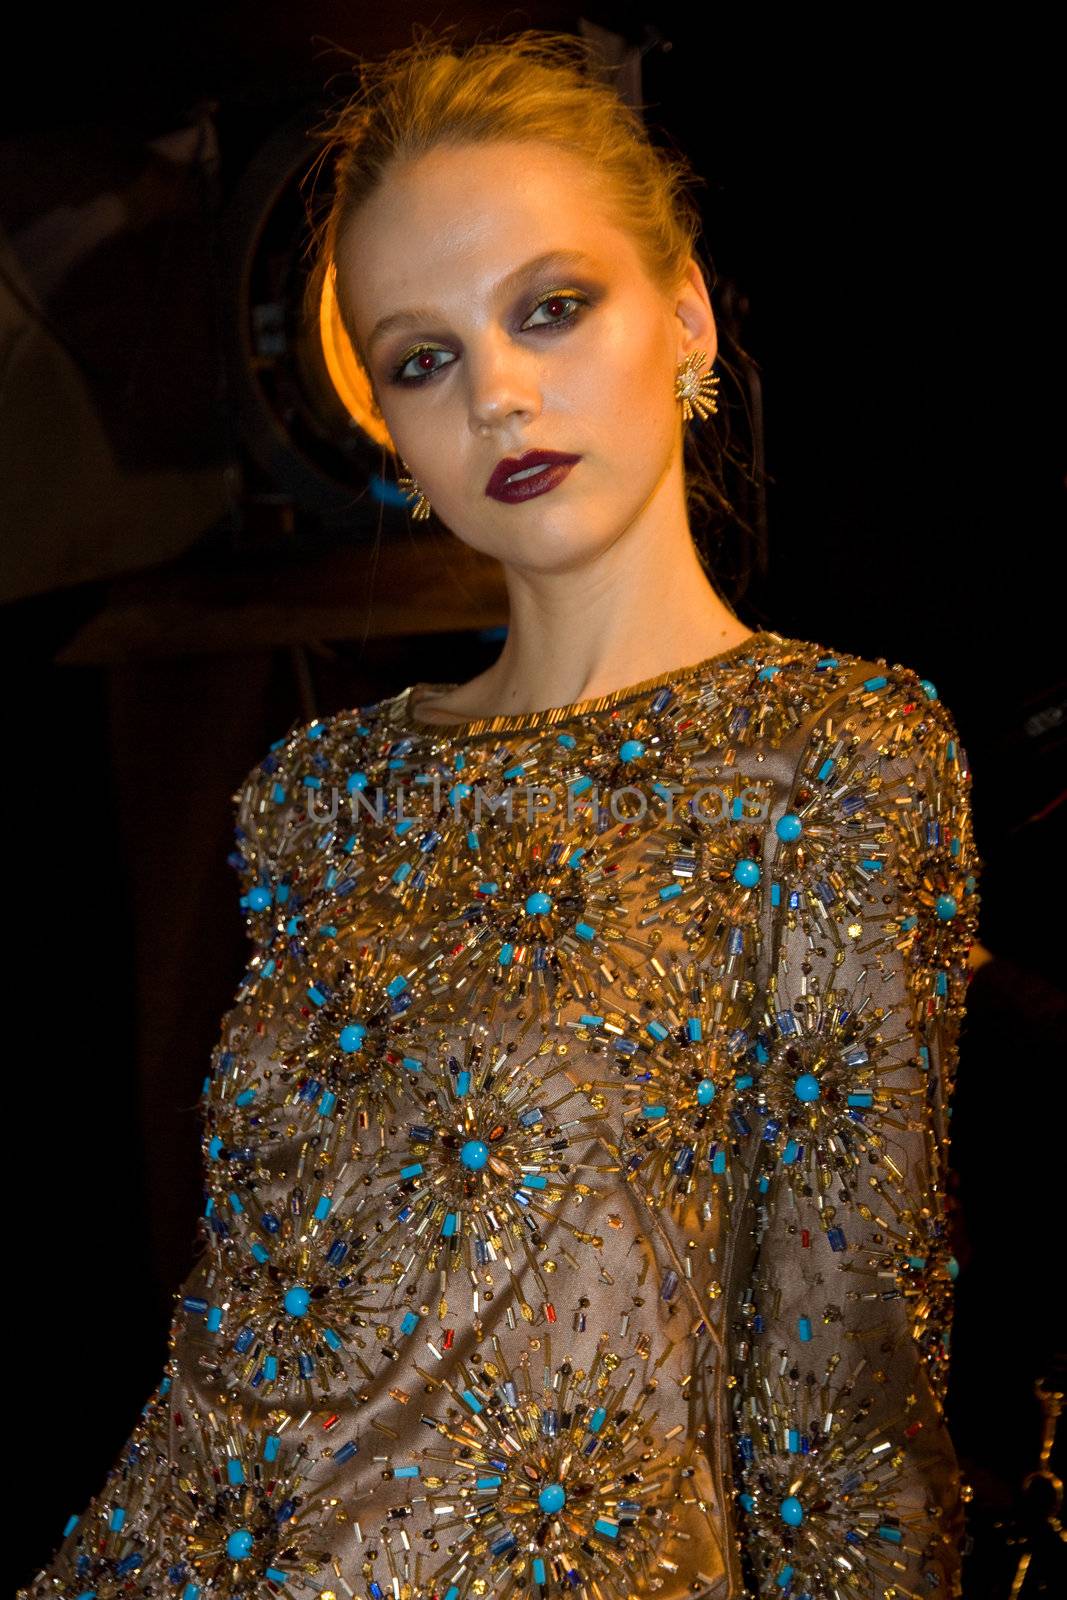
{"x": 574, "y": 1149}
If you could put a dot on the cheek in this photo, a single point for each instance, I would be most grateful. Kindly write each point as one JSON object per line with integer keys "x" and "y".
{"x": 626, "y": 378}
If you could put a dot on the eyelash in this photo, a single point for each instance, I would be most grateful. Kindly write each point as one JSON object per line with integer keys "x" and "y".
{"x": 555, "y": 294}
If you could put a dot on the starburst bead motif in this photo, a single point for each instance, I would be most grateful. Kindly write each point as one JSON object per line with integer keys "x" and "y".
{"x": 697, "y": 393}
{"x": 680, "y": 1093}
{"x": 827, "y": 874}
{"x": 704, "y": 873}
{"x": 536, "y": 909}
{"x": 488, "y": 1185}
{"x": 825, "y": 1498}
{"x": 759, "y": 698}
{"x": 550, "y": 1485}
{"x": 636, "y": 756}
{"x": 403, "y": 865}
{"x": 285, "y": 1307}
{"x": 241, "y": 1516}
{"x": 349, "y": 1035}
{"x": 832, "y": 1090}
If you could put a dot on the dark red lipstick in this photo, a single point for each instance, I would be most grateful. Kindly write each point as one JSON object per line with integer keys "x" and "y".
{"x": 556, "y": 467}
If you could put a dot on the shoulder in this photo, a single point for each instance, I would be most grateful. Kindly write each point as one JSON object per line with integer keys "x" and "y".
{"x": 311, "y": 751}
{"x": 271, "y": 801}
{"x": 268, "y": 784}
{"x": 890, "y": 705}
{"x": 881, "y": 795}
{"x": 884, "y": 754}
{"x": 869, "y": 744}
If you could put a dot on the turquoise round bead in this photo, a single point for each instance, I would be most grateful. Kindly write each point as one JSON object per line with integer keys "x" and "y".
{"x": 807, "y": 1087}
{"x": 928, "y": 689}
{"x": 259, "y": 899}
{"x": 789, "y": 826}
{"x": 747, "y": 873}
{"x": 552, "y": 1497}
{"x": 357, "y": 780}
{"x": 474, "y": 1154}
{"x": 946, "y": 907}
{"x": 352, "y": 1036}
{"x": 792, "y": 1511}
{"x": 239, "y": 1544}
{"x": 297, "y": 1300}
{"x": 538, "y": 903}
{"x": 630, "y": 749}
{"x": 705, "y": 1092}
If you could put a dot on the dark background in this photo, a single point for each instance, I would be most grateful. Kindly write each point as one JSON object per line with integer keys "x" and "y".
{"x": 880, "y": 192}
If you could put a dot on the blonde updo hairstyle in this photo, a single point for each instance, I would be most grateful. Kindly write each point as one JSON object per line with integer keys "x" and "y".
{"x": 533, "y": 85}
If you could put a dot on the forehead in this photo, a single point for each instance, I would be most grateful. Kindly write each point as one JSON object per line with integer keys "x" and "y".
{"x": 456, "y": 193}
{"x": 459, "y": 219}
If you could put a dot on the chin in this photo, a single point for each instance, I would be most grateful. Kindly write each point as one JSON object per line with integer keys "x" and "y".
{"x": 530, "y": 545}
{"x": 561, "y": 558}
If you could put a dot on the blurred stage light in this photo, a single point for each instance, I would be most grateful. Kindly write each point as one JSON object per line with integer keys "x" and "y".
{"x": 300, "y": 399}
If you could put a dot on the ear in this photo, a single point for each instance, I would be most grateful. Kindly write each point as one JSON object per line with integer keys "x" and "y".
{"x": 697, "y": 330}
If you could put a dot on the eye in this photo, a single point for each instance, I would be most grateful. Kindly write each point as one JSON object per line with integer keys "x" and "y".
{"x": 556, "y": 302}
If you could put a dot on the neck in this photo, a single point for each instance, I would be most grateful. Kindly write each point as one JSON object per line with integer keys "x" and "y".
{"x": 633, "y": 618}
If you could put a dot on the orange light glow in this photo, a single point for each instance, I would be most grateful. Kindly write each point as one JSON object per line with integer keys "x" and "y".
{"x": 346, "y": 372}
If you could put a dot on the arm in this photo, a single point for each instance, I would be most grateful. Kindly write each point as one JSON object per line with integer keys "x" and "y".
{"x": 270, "y": 807}
{"x": 848, "y": 1480}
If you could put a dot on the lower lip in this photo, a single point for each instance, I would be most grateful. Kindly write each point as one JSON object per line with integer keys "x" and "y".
{"x": 540, "y": 483}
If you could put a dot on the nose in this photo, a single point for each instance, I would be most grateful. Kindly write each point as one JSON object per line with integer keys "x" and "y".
{"x": 503, "y": 382}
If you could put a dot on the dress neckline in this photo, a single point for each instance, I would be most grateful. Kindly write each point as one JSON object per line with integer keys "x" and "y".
{"x": 511, "y": 722}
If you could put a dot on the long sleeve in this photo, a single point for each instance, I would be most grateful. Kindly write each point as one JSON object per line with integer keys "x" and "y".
{"x": 270, "y": 808}
{"x": 847, "y": 1478}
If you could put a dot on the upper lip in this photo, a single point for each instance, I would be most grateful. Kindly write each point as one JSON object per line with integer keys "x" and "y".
{"x": 529, "y": 458}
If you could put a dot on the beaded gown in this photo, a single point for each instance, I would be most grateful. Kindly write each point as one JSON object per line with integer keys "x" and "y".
{"x": 574, "y": 1160}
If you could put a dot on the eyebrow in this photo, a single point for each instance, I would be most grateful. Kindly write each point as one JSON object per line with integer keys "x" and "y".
{"x": 403, "y": 319}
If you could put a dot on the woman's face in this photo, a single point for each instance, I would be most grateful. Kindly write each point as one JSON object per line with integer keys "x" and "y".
{"x": 502, "y": 370}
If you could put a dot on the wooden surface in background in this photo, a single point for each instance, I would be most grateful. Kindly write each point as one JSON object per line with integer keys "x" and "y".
{"x": 409, "y": 584}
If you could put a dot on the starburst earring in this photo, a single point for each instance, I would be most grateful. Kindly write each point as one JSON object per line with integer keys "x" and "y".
{"x": 699, "y": 395}
{"x": 420, "y": 508}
